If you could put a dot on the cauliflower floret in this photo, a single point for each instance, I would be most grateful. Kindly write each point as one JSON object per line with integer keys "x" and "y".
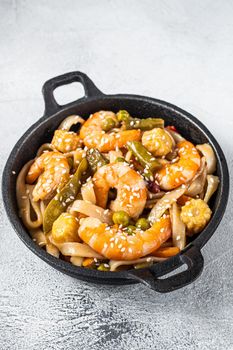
{"x": 157, "y": 141}
{"x": 66, "y": 141}
{"x": 195, "y": 214}
{"x": 65, "y": 229}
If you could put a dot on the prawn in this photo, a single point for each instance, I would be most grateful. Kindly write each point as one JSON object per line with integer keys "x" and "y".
{"x": 65, "y": 141}
{"x": 52, "y": 169}
{"x": 130, "y": 186}
{"x": 175, "y": 174}
{"x": 94, "y": 136}
{"x": 114, "y": 243}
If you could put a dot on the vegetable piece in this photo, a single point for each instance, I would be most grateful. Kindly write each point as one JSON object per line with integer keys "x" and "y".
{"x": 120, "y": 159}
{"x": 195, "y": 215}
{"x": 88, "y": 193}
{"x": 108, "y": 124}
{"x": 157, "y": 141}
{"x": 176, "y": 136}
{"x": 212, "y": 185}
{"x": 198, "y": 183}
{"x": 65, "y": 229}
{"x": 153, "y": 187}
{"x": 123, "y": 116}
{"x": 104, "y": 215}
{"x": 76, "y": 260}
{"x": 68, "y": 122}
{"x": 128, "y": 156}
{"x": 143, "y": 265}
{"x": 88, "y": 262}
{"x": 121, "y": 218}
{"x": 136, "y": 123}
{"x": 166, "y": 252}
{"x": 63, "y": 199}
{"x": 145, "y": 158}
{"x": 209, "y": 155}
{"x": 103, "y": 267}
{"x": 165, "y": 203}
{"x": 172, "y": 128}
{"x": 144, "y": 124}
{"x": 143, "y": 224}
{"x": 178, "y": 227}
{"x": 95, "y": 159}
{"x": 114, "y": 155}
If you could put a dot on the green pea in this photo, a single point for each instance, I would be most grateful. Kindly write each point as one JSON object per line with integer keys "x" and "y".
{"x": 103, "y": 267}
{"x": 121, "y": 218}
{"x": 131, "y": 229}
{"x": 123, "y": 116}
{"x": 108, "y": 124}
{"x": 143, "y": 224}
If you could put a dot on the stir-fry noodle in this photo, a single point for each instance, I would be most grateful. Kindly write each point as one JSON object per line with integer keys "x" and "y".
{"x": 119, "y": 193}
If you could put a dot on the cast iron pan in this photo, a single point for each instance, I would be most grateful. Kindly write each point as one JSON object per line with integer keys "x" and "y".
{"x": 94, "y": 100}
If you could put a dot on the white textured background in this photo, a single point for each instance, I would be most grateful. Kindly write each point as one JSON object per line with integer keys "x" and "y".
{"x": 179, "y": 51}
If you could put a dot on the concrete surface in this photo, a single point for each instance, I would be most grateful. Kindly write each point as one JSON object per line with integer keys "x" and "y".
{"x": 179, "y": 51}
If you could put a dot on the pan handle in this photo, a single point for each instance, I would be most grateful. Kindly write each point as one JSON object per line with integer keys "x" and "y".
{"x": 51, "y": 105}
{"x": 150, "y": 277}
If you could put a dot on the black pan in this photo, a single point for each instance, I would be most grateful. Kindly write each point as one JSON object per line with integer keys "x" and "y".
{"x": 94, "y": 100}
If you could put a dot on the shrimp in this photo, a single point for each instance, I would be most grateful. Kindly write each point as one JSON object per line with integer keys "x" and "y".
{"x": 173, "y": 175}
{"x": 114, "y": 243}
{"x": 53, "y": 169}
{"x": 95, "y": 137}
{"x": 65, "y": 141}
{"x": 131, "y": 188}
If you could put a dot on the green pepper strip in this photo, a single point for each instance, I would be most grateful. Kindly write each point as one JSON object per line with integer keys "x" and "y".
{"x": 136, "y": 123}
{"x": 95, "y": 159}
{"x": 144, "y": 124}
{"x": 63, "y": 199}
{"x": 145, "y": 158}
{"x": 143, "y": 265}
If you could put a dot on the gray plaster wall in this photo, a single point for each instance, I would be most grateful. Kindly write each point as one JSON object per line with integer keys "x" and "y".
{"x": 179, "y": 51}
